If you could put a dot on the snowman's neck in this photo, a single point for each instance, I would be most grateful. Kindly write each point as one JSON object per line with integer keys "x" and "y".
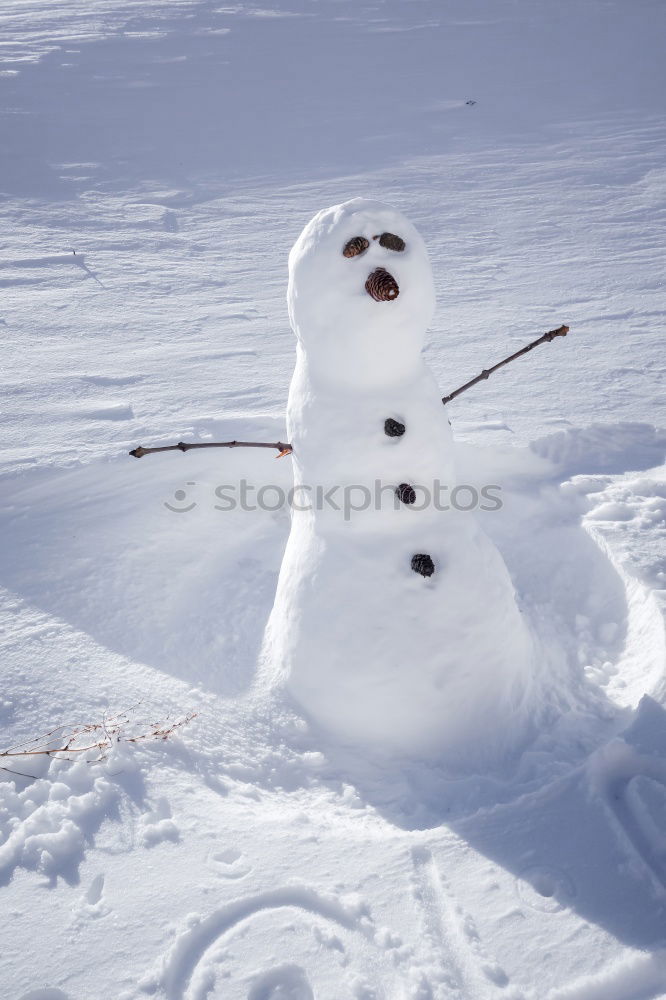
{"x": 356, "y": 377}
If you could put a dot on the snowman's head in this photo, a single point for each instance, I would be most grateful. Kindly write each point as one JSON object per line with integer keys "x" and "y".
{"x": 361, "y": 293}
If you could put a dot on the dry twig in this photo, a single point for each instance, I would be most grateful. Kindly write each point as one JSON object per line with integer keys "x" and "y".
{"x": 284, "y": 449}
{"x": 561, "y": 331}
{"x": 68, "y": 742}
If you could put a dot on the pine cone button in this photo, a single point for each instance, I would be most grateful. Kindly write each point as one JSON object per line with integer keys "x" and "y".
{"x": 405, "y": 493}
{"x": 382, "y": 286}
{"x": 423, "y": 564}
{"x": 393, "y": 428}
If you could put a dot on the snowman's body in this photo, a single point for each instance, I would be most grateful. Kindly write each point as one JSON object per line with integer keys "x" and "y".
{"x": 394, "y": 625}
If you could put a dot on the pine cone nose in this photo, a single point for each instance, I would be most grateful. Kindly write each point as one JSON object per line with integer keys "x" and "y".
{"x": 382, "y": 286}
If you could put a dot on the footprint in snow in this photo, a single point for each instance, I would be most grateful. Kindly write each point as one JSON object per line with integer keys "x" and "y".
{"x": 286, "y": 982}
{"x": 92, "y": 904}
{"x": 230, "y": 863}
{"x": 95, "y": 890}
{"x": 157, "y": 825}
{"x": 545, "y": 888}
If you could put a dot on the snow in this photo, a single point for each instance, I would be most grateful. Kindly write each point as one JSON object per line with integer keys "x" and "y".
{"x": 179, "y": 149}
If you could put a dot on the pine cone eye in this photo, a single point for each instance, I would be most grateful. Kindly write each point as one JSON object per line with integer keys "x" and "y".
{"x": 382, "y": 286}
{"x": 355, "y": 246}
{"x": 392, "y": 242}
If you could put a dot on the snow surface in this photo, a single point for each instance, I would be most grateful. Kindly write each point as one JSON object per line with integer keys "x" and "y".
{"x": 179, "y": 149}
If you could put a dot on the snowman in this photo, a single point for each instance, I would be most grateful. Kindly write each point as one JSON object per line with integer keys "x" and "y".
{"x": 395, "y": 624}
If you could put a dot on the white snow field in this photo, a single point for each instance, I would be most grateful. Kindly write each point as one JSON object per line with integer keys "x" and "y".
{"x": 157, "y": 163}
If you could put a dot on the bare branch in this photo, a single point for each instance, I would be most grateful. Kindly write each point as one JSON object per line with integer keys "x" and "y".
{"x": 280, "y": 446}
{"x": 561, "y": 331}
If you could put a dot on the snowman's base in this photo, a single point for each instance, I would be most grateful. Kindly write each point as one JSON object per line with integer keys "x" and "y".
{"x": 403, "y": 662}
